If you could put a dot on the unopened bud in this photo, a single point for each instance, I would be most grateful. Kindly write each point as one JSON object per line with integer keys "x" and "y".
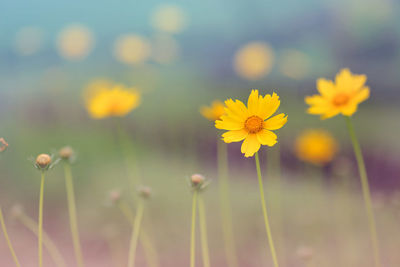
{"x": 16, "y": 211}
{"x": 3, "y": 144}
{"x": 43, "y": 161}
{"x": 197, "y": 179}
{"x": 145, "y": 191}
{"x": 115, "y": 196}
{"x": 66, "y": 152}
{"x": 305, "y": 253}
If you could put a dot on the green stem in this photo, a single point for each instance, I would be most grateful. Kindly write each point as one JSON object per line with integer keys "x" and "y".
{"x": 203, "y": 233}
{"x": 264, "y": 208}
{"x": 193, "y": 230}
{"x": 3, "y": 226}
{"x": 72, "y": 214}
{"x": 135, "y": 234}
{"x": 227, "y": 227}
{"x": 40, "y": 224}
{"x": 365, "y": 190}
{"x": 47, "y": 242}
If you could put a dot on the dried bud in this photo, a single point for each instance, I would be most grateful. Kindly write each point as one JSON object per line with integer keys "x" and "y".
{"x": 3, "y": 144}
{"x": 66, "y": 153}
{"x": 115, "y": 196}
{"x": 305, "y": 253}
{"x": 197, "y": 179}
{"x": 43, "y": 161}
{"x": 145, "y": 191}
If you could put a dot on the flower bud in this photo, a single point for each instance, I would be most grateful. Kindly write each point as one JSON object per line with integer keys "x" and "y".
{"x": 43, "y": 161}
{"x": 197, "y": 179}
{"x": 3, "y": 144}
{"x": 66, "y": 153}
{"x": 115, "y": 196}
{"x": 16, "y": 211}
{"x": 305, "y": 253}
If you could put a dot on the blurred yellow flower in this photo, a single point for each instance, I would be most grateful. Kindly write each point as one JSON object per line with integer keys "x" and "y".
{"x": 109, "y": 101}
{"x": 169, "y": 19}
{"x": 316, "y": 146}
{"x": 213, "y": 112}
{"x": 75, "y": 42}
{"x": 132, "y": 49}
{"x": 341, "y": 96}
{"x": 254, "y": 60}
{"x": 252, "y": 123}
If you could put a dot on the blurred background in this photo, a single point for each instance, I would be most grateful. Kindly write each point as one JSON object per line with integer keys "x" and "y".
{"x": 181, "y": 56}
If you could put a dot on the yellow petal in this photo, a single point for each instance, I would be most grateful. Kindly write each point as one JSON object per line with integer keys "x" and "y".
{"x": 236, "y": 109}
{"x": 276, "y": 122}
{"x": 250, "y": 145}
{"x": 318, "y": 109}
{"x": 266, "y": 137}
{"x": 315, "y": 100}
{"x": 227, "y": 123}
{"x": 349, "y": 109}
{"x": 235, "y": 136}
{"x": 330, "y": 113}
{"x": 325, "y": 87}
{"x": 360, "y": 96}
{"x": 253, "y": 102}
{"x": 268, "y": 105}
{"x": 347, "y": 81}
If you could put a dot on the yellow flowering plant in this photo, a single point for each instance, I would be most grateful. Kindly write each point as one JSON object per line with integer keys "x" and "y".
{"x": 112, "y": 101}
{"x": 316, "y": 146}
{"x": 253, "y": 123}
{"x": 214, "y": 111}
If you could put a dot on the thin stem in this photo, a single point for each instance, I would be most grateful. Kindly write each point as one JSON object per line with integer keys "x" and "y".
{"x": 135, "y": 234}
{"x": 193, "y": 230}
{"x": 203, "y": 233}
{"x": 11, "y": 248}
{"x": 40, "y": 224}
{"x": 226, "y": 211}
{"x": 264, "y": 208}
{"x": 72, "y": 214}
{"x": 47, "y": 242}
{"x": 149, "y": 250}
{"x": 365, "y": 190}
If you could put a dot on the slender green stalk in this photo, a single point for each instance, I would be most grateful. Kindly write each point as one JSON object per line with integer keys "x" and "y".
{"x": 203, "y": 233}
{"x": 149, "y": 250}
{"x": 366, "y": 191}
{"x": 193, "y": 230}
{"x": 264, "y": 208}
{"x": 72, "y": 214}
{"x": 226, "y": 211}
{"x": 135, "y": 234}
{"x": 40, "y": 224}
{"x": 47, "y": 242}
{"x": 11, "y": 248}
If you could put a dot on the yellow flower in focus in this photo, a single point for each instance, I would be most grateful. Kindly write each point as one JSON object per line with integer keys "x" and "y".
{"x": 341, "y": 96}
{"x": 112, "y": 101}
{"x": 75, "y": 42}
{"x": 254, "y": 60}
{"x": 213, "y": 112}
{"x": 132, "y": 49}
{"x": 253, "y": 123}
{"x": 316, "y": 146}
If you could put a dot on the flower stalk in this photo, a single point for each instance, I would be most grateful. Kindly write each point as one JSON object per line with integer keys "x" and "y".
{"x": 135, "y": 234}
{"x": 72, "y": 214}
{"x": 264, "y": 209}
{"x": 9, "y": 244}
{"x": 193, "y": 230}
{"x": 203, "y": 232}
{"x": 40, "y": 220}
{"x": 366, "y": 191}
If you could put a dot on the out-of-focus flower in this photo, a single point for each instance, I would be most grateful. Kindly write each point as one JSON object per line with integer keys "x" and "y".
{"x": 252, "y": 123}
{"x": 305, "y": 253}
{"x": 75, "y": 42}
{"x": 316, "y": 146}
{"x": 164, "y": 49}
{"x": 199, "y": 182}
{"x": 29, "y": 40}
{"x": 132, "y": 49}
{"x": 254, "y": 60}
{"x": 341, "y": 96}
{"x": 115, "y": 100}
{"x": 169, "y": 18}
{"x": 213, "y": 112}
{"x": 3, "y": 144}
{"x": 294, "y": 64}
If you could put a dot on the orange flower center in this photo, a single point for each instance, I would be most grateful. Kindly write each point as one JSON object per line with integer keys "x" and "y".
{"x": 340, "y": 99}
{"x": 253, "y": 124}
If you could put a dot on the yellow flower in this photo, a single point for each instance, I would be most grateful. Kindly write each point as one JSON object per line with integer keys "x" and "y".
{"x": 341, "y": 96}
{"x": 213, "y": 112}
{"x": 115, "y": 100}
{"x": 316, "y": 146}
{"x": 252, "y": 123}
